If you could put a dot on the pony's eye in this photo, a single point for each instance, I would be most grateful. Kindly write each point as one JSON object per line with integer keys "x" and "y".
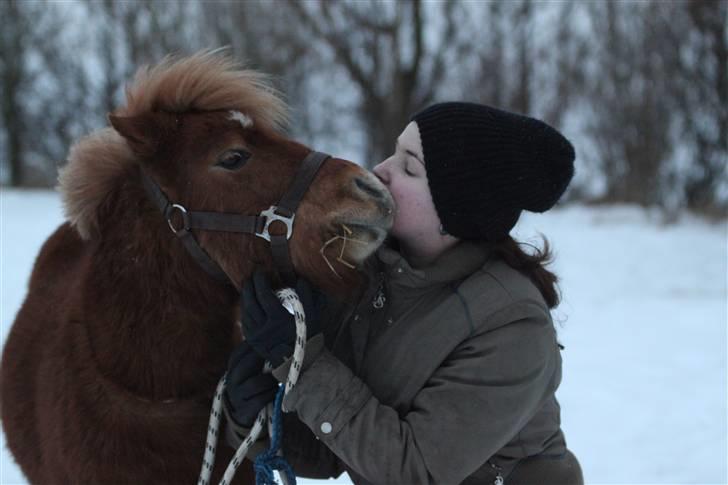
{"x": 233, "y": 159}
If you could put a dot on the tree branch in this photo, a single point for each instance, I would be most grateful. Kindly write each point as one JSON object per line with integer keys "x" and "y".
{"x": 337, "y": 43}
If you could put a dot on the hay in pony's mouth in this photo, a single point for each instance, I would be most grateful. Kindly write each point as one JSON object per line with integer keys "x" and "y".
{"x": 349, "y": 240}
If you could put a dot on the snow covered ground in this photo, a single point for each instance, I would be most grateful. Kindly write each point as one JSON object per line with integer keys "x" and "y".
{"x": 644, "y": 395}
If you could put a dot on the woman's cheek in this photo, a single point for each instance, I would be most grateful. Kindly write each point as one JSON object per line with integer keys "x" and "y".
{"x": 399, "y": 196}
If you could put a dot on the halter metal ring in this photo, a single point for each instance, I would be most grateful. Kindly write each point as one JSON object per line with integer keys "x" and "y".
{"x": 270, "y": 217}
{"x": 185, "y": 219}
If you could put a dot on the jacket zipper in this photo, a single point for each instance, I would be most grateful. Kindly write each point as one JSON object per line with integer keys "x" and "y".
{"x": 499, "y": 477}
{"x": 380, "y": 297}
{"x": 367, "y": 297}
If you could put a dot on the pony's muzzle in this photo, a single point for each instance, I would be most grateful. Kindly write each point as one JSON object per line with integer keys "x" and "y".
{"x": 367, "y": 187}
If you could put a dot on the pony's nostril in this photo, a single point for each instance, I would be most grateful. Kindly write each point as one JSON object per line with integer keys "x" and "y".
{"x": 368, "y": 188}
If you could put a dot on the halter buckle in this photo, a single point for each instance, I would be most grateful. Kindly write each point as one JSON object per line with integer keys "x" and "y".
{"x": 181, "y": 231}
{"x": 270, "y": 217}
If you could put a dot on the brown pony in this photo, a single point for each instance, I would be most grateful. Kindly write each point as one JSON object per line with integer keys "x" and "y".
{"x": 110, "y": 367}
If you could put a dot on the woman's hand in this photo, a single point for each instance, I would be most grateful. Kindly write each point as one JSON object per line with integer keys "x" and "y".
{"x": 247, "y": 390}
{"x": 268, "y": 327}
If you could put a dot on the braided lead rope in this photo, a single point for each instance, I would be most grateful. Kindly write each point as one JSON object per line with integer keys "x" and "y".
{"x": 289, "y": 299}
{"x": 282, "y": 476}
{"x": 213, "y": 425}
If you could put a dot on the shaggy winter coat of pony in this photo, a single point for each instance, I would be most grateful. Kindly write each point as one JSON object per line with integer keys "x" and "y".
{"x": 109, "y": 369}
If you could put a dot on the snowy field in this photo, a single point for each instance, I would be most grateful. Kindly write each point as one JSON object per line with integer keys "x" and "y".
{"x": 643, "y": 320}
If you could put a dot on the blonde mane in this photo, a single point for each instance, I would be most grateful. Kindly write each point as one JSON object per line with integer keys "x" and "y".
{"x": 206, "y": 81}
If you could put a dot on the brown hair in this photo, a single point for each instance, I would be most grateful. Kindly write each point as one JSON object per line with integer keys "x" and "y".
{"x": 532, "y": 264}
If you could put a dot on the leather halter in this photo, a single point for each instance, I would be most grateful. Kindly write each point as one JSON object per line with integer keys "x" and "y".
{"x": 259, "y": 225}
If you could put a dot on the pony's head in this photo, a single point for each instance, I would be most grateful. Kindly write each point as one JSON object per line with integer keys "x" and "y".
{"x": 209, "y": 134}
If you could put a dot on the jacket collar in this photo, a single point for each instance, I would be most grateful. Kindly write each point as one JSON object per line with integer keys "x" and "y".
{"x": 454, "y": 264}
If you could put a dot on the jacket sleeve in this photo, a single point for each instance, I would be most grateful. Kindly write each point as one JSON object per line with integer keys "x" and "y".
{"x": 473, "y": 404}
{"x": 309, "y": 457}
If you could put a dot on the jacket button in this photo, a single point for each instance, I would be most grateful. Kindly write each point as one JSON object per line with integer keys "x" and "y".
{"x": 399, "y": 270}
{"x": 326, "y": 427}
{"x": 390, "y": 321}
{"x": 356, "y": 317}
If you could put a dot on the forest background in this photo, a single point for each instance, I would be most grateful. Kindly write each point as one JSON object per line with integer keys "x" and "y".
{"x": 640, "y": 87}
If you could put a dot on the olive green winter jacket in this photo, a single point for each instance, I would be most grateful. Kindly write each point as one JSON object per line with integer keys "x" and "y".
{"x": 444, "y": 374}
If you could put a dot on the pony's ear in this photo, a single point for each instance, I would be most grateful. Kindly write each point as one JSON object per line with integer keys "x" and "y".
{"x": 144, "y": 133}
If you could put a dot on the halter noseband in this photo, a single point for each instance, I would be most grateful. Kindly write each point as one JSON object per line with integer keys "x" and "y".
{"x": 284, "y": 212}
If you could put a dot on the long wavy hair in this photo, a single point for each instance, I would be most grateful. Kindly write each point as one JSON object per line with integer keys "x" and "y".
{"x": 532, "y": 263}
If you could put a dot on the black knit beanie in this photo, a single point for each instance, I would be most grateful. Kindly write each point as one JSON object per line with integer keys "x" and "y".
{"x": 485, "y": 165}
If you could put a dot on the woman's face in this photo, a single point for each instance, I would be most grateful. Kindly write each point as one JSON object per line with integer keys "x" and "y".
{"x": 404, "y": 174}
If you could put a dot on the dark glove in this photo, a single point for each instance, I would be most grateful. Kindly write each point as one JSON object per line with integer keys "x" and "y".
{"x": 247, "y": 390}
{"x": 268, "y": 326}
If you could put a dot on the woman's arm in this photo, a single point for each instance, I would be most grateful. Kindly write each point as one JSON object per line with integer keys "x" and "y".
{"x": 474, "y": 404}
{"x": 308, "y": 456}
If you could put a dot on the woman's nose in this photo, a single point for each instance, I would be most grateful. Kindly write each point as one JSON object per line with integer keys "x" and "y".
{"x": 380, "y": 171}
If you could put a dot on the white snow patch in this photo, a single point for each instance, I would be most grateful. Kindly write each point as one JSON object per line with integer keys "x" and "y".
{"x": 643, "y": 319}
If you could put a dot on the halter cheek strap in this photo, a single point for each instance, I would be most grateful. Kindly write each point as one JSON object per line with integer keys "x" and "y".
{"x": 284, "y": 212}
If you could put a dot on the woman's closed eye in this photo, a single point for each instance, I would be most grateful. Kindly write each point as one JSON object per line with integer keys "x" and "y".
{"x": 410, "y": 165}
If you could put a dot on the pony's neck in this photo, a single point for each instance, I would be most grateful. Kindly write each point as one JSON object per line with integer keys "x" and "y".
{"x": 158, "y": 325}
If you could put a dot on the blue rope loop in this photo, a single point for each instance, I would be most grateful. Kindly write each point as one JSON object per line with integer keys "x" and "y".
{"x": 269, "y": 460}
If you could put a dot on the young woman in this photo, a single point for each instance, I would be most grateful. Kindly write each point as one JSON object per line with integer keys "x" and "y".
{"x": 445, "y": 369}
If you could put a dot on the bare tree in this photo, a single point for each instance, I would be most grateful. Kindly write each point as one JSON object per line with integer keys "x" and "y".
{"x": 526, "y": 57}
{"x": 43, "y": 89}
{"x": 521, "y": 96}
{"x": 660, "y": 98}
{"x": 703, "y": 99}
{"x": 264, "y": 37}
{"x": 643, "y": 84}
{"x": 632, "y": 120}
{"x": 131, "y": 34}
{"x": 563, "y": 55}
{"x": 383, "y": 50}
{"x": 14, "y": 40}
